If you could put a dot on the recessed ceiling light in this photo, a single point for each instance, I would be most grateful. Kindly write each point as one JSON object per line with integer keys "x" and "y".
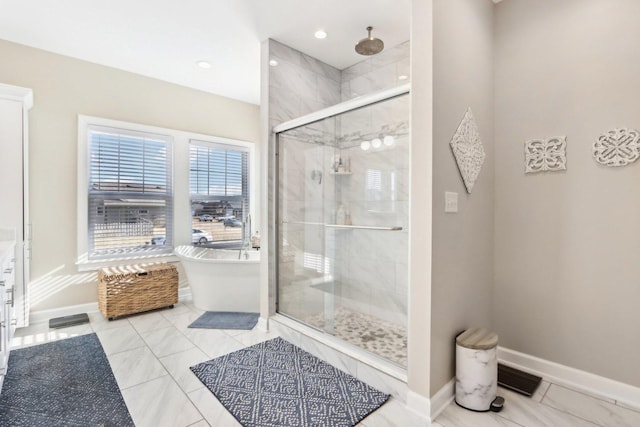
{"x": 376, "y": 142}
{"x": 403, "y": 77}
{"x": 204, "y": 64}
{"x": 273, "y": 63}
{"x": 320, "y": 34}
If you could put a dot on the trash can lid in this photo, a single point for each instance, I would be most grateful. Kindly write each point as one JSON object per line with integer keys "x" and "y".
{"x": 477, "y": 339}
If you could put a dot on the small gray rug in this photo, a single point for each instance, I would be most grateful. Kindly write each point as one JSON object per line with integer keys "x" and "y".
{"x": 62, "y": 383}
{"x": 226, "y": 320}
{"x": 276, "y": 384}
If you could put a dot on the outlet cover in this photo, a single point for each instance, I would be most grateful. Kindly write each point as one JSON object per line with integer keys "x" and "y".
{"x": 450, "y": 202}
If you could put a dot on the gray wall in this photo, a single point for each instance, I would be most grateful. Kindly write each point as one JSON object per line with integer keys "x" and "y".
{"x": 462, "y": 275}
{"x": 567, "y": 243}
{"x": 63, "y": 88}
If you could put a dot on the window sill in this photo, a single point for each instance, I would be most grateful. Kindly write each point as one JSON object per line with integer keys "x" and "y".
{"x": 98, "y": 264}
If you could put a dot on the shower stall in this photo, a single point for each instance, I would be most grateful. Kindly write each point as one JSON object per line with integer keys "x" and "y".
{"x": 342, "y": 205}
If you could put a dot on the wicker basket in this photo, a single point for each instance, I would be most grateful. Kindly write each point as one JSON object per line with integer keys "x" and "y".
{"x": 133, "y": 289}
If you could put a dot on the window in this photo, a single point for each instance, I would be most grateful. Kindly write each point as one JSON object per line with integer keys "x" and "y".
{"x": 219, "y": 192}
{"x": 130, "y": 194}
{"x": 142, "y": 190}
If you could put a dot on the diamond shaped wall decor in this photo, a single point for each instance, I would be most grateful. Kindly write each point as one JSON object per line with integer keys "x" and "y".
{"x": 468, "y": 150}
{"x": 617, "y": 147}
{"x": 542, "y": 155}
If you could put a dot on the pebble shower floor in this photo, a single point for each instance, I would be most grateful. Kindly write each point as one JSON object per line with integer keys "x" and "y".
{"x": 380, "y": 337}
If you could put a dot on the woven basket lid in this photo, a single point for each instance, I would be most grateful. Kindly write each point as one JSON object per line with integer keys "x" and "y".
{"x": 134, "y": 269}
{"x": 477, "y": 339}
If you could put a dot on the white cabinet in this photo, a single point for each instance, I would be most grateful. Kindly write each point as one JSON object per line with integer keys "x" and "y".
{"x": 7, "y": 289}
{"x": 15, "y": 103}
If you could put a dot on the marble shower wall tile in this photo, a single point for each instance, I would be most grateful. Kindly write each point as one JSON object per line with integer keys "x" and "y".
{"x": 328, "y": 91}
{"x": 357, "y": 122}
{"x": 379, "y": 72}
{"x": 283, "y": 108}
{"x": 299, "y": 84}
{"x": 282, "y": 52}
{"x": 294, "y": 154}
{"x": 359, "y": 69}
{"x": 321, "y": 68}
{"x": 298, "y": 79}
{"x": 391, "y": 56}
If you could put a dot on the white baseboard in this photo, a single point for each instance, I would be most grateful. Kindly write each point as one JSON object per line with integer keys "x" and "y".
{"x": 443, "y": 398}
{"x": 419, "y": 404}
{"x": 556, "y": 373}
{"x": 263, "y": 324}
{"x": 45, "y": 315}
{"x": 184, "y": 293}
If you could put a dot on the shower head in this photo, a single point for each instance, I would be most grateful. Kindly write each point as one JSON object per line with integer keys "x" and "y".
{"x": 370, "y": 45}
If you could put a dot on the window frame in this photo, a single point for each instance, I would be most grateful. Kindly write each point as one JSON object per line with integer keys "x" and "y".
{"x": 182, "y": 218}
{"x": 194, "y": 142}
{"x": 107, "y": 195}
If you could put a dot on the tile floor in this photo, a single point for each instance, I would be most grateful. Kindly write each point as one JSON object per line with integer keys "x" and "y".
{"x": 150, "y": 355}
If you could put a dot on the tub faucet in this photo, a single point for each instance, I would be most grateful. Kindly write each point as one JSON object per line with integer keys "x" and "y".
{"x": 246, "y": 241}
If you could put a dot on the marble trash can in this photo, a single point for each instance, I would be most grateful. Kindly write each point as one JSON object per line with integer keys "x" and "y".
{"x": 476, "y": 369}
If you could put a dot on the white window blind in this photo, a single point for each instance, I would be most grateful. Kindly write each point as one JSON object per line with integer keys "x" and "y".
{"x": 219, "y": 188}
{"x": 130, "y": 193}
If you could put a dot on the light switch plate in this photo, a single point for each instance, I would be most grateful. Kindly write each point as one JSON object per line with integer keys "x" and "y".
{"x": 450, "y": 202}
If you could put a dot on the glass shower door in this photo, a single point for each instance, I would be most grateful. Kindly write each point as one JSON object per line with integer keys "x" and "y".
{"x": 305, "y": 203}
{"x": 342, "y": 220}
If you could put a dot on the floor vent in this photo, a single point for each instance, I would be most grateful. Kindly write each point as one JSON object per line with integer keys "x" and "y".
{"x": 516, "y": 380}
{"x": 66, "y": 321}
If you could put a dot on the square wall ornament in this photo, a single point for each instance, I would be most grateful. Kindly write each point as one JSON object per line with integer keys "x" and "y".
{"x": 617, "y": 147}
{"x": 468, "y": 150}
{"x": 544, "y": 155}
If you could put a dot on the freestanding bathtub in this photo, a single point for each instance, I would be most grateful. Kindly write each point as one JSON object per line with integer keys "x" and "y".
{"x": 220, "y": 281}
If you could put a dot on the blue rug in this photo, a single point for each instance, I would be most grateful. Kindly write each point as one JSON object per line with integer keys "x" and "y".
{"x": 226, "y": 320}
{"x": 276, "y": 384}
{"x": 62, "y": 383}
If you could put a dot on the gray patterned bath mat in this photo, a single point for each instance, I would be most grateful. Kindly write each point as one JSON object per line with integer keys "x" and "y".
{"x": 275, "y": 383}
{"x": 226, "y": 320}
{"x": 62, "y": 383}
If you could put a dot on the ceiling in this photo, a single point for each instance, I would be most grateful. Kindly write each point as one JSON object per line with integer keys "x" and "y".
{"x": 165, "y": 38}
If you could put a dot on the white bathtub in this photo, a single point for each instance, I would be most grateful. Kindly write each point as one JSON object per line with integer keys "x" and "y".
{"x": 220, "y": 281}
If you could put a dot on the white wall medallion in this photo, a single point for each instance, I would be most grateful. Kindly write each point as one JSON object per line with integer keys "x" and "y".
{"x": 617, "y": 147}
{"x": 468, "y": 150}
{"x": 542, "y": 155}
